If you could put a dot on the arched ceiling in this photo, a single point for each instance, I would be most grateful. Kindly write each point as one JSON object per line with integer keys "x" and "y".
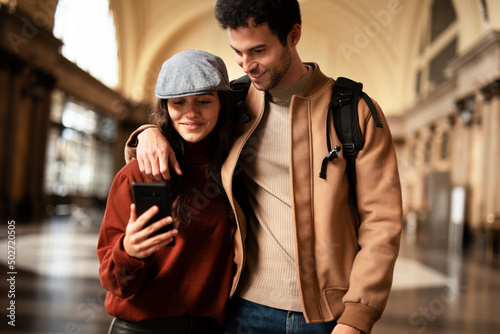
{"x": 374, "y": 41}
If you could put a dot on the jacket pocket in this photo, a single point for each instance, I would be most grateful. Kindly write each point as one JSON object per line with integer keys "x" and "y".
{"x": 333, "y": 299}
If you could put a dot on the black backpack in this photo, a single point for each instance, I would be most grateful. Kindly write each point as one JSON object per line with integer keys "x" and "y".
{"x": 345, "y": 119}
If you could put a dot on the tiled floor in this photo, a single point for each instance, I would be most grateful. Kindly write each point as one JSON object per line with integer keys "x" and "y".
{"x": 57, "y": 288}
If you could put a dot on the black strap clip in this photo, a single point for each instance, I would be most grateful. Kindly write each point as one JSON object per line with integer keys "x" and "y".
{"x": 333, "y": 153}
{"x": 330, "y": 157}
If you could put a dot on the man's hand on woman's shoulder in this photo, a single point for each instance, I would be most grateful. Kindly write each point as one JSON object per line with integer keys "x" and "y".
{"x": 155, "y": 155}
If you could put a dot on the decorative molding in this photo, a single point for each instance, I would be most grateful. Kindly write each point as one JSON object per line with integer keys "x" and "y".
{"x": 466, "y": 108}
{"x": 23, "y": 44}
{"x": 491, "y": 90}
{"x": 490, "y": 40}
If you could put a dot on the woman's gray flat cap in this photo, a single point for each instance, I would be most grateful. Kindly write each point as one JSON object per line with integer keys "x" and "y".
{"x": 191, "y": 72}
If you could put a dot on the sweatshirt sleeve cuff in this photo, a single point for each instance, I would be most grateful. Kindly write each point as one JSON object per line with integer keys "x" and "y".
{"x": 125, "y": 262}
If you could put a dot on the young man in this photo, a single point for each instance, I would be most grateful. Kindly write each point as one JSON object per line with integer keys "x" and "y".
{"x": 312, "y": 253}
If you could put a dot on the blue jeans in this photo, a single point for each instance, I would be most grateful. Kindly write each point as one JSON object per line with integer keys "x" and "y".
{"x": 245, "y": 317}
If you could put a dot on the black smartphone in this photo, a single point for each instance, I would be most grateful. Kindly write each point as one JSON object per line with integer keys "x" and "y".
{"x": 147, "y": 195}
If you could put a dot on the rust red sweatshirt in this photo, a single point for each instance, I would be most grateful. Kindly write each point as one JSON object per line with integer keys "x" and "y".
{"x": 193, "y": 277}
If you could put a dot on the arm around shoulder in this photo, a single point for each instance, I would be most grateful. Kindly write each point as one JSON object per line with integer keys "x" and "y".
{"x": 153, "y": 152}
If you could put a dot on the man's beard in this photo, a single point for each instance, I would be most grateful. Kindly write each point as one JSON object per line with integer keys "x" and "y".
{"x": 277, "y": 73}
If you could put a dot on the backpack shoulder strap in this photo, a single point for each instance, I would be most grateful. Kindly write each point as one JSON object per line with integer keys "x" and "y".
{"x": 344, "y": 108}
{"x": 344, "y": 91}
{"x": 239, "y": 90}
{"x": 373, "y": 110}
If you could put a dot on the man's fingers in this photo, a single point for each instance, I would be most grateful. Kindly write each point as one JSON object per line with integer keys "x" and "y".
{"x": 164, "y": 171}
{"x": 155, "y": 155}
{"x": 144, "y": 165}
{"x": 153, "y": 165}
{"x": 173, "y": 162}
{"x": 160, "y": 170}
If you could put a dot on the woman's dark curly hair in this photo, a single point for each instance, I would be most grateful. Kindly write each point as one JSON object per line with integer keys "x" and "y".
{"x": 220, "y": 143}
{"x": 280, "y": 15}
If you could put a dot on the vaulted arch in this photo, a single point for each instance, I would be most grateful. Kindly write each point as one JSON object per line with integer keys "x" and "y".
{"x": 375, "y": 42}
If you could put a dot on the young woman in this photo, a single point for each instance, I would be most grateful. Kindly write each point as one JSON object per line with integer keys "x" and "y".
{"x": 153, "y": 287}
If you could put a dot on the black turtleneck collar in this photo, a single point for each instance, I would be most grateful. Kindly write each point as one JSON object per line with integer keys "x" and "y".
{"x": 196, "y": 153}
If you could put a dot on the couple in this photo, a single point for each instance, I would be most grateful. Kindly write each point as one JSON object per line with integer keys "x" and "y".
{"x": 291, "y": 250}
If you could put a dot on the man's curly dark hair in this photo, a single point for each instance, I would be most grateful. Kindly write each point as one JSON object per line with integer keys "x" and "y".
{"x": 280, "y": 15}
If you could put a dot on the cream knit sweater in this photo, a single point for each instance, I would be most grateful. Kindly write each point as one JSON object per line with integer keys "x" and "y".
{"x": 270, "y": 277}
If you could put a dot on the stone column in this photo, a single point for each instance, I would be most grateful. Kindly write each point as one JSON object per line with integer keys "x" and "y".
{"x": 26, "y": 86}
{"x": 10, "y": 70}
{"x": 25, "y": 120}
{"x": 491, "y": 126}
{"x": 468, "y": 156}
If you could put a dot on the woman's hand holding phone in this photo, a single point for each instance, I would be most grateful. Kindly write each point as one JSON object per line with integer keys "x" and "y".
{"x": 138, "y": 242}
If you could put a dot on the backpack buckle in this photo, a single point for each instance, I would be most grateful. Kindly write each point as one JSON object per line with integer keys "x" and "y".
{"x": 349, "y": 149}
